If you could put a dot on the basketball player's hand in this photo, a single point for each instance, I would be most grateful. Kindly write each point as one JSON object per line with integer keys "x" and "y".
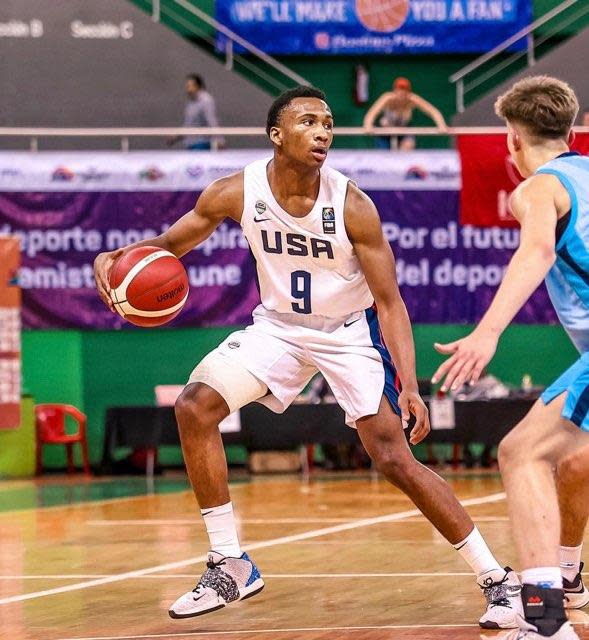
{"x": 410, "y": 402}
{"x": 468, "y": 357}
{"x": 102, "y": 266}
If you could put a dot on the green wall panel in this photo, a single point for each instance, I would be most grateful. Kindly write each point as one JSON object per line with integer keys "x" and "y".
{"x": 53, "y": 372}
{"x": 123, "y": 367}
{"x": 95, "y": 370}
{"x": 428, "y": 74}
{"x": 541, "y": 351}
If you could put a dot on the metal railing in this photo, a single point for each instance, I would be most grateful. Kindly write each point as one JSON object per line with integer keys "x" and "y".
{"x": 126, "y": 134}
{"x": 459, "y": 78}
{"x": 161, "y": 8}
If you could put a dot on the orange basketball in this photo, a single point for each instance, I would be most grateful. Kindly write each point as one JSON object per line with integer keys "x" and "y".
{"x": 383, "y": 16}
{"x": 149, "y": 286}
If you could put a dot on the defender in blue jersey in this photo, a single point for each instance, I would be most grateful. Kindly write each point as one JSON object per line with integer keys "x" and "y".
{"x": 545, "y": 459}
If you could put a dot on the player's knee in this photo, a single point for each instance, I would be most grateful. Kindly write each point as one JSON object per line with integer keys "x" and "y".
{"x": 394, "y": 466}
{"x": 504, "y": 453}
{"x": 510, "y": 450}
{"x": 199, "y": 407}
{"x": 573, "y": 470}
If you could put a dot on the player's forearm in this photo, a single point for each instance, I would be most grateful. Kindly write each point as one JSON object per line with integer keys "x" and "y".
{"x": 398, "y": 336}
{"x": 527, "y": 269}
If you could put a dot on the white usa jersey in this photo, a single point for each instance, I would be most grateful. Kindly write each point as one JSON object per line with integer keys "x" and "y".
{"x": 305, "y": 265}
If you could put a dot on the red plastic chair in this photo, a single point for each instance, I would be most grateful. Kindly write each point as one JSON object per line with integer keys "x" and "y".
{"x": 50, "y": 420}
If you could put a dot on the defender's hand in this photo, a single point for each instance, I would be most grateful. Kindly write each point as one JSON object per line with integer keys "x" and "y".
{"x": 410, "y": 402}
{"x": 468, "y": 357}
{"x": 102, "y": 266}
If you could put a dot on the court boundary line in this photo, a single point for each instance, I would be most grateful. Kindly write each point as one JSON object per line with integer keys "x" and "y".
{"x": 273, "y": 576}
{"x": 277, "y": 576}
{"x": 314, "y": 533}
{"x": 232, "y": 632}
{"x": 106, "y": 501}
{"x": 262, "y": 521}
{"x": 88, "y": 503}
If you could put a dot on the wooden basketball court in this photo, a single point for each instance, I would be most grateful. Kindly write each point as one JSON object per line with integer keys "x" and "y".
{"x": 343, "y": 556}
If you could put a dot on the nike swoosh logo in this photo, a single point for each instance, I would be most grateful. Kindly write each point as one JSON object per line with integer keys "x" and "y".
{"x": 261, "y": 219}
{"x": 347, "y": 324}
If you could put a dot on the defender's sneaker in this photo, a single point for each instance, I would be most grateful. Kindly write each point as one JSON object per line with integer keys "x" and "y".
{"x": 226, "y": 580}
{"x": 502, "y": 592}
{"x": 576, "y": 594}
{"x": 526, "y": 631}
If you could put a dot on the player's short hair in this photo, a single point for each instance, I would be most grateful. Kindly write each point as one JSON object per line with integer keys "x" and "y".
{"x": 545, "y": 106}
{"x": 285, "y": 98}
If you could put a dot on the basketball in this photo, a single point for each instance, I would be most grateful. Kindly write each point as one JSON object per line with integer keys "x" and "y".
{"x": 385, "y": 16}
{"x": 149, "y": 286}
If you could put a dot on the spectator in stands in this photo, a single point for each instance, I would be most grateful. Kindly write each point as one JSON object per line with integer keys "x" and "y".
{"x": 397, "y": 108}
{"x": 200, "y": 111}
{"x": 585, "y": 117}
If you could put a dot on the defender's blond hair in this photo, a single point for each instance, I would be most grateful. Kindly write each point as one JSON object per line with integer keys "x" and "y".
{"x": 545, "y": 106}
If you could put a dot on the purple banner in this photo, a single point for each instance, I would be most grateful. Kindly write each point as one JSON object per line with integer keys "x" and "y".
{"x": 448, "y": 273}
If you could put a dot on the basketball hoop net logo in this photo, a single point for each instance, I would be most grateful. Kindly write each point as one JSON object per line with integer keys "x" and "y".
{"x": 384, "y": 16}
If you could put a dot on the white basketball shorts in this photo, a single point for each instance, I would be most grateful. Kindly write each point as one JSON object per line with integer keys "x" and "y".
{"x": 284, "y": 351}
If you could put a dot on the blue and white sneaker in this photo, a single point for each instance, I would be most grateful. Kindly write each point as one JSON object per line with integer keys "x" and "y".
{"x": 226, "y": 580}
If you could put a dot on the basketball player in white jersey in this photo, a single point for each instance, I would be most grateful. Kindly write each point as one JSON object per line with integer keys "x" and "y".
{"x": 329, "y": 303}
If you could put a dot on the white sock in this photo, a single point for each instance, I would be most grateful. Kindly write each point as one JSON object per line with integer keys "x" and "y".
{"x": 477, "y": 554}
{"x": 546, "y": 577}
{"x": 570, "y": 561}
{"x": 220, "y": 524}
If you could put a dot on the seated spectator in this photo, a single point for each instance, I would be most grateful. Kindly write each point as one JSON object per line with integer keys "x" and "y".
{"x": 397, "y": 108}
{"x": 200, "y": 111}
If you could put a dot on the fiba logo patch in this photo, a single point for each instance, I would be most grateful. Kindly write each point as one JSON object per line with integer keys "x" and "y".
{"x": 234, "y": 345}
{"x": 385, "y": 16}
{"x": 328, "y": 218}
{"x": 260, "y": 206}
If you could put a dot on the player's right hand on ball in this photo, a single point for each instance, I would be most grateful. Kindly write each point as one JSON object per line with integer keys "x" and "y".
{"x": 102, "y": 266}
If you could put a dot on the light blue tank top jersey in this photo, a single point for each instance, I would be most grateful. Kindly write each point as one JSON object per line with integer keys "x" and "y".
{"x": 568, "y": 280}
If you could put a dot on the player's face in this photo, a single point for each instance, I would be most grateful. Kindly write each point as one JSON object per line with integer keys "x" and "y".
{"x": 305, "y": 131}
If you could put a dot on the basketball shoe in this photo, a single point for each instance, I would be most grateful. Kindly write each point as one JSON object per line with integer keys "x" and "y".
{"x": 502, "y": 592}
{"x": 225, "y": 580}
{"x": 576, "y": 594}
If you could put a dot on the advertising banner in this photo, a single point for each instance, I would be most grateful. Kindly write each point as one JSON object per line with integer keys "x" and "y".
{"x": 489, "y": 176}
{"x": 369, "y": 26}
{"x": 9, "y": 334}
{"x": 448, "y": 272}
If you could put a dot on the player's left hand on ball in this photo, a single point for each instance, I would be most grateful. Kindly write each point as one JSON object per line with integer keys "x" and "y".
{"x": 102, "y": 266}
{"x": 468, "y": 357}
{"x": 410, "y": 402}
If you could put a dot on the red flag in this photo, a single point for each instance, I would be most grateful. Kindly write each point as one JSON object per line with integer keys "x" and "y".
{"x": 489, "y": 176}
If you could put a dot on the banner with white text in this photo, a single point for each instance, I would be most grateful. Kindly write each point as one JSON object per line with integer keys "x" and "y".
{"x": 369, "y": 26}
{"x": 66, "y": 208}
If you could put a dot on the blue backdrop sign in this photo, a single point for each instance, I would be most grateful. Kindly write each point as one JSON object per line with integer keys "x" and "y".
{"x": 374, "y": 26}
